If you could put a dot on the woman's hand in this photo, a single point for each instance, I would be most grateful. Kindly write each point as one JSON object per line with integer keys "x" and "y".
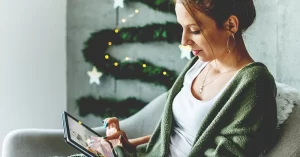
{"x": 114, "y": 132}
{"x": 93, "y": 151}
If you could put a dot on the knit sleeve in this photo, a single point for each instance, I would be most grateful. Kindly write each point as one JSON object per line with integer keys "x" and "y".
{"x": 249, "y": 125}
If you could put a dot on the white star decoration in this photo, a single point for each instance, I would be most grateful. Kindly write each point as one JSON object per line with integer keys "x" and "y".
{"x": 118, "y": 3}
{"x": 94, "y": 76}
{"x": 185, "y": 52}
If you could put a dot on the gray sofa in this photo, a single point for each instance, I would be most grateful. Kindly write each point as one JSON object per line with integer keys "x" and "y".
{"x": 48, "y": 143}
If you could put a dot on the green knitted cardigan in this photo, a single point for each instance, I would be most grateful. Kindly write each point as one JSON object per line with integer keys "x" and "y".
{"x": 242, "y": 123}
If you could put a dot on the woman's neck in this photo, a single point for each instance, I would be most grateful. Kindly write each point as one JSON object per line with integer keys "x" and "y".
{"x": 234, "y": 60}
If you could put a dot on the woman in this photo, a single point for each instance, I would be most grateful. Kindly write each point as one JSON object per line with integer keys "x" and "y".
{"x": 223, "y": 104}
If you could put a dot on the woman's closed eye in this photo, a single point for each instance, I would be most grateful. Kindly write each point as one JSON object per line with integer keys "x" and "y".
{"x": 195, "y": 32}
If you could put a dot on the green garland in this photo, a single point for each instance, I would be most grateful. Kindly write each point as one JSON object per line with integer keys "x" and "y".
{"x": 109, "y": 107}
{"x": 98, "y": 43}
{"x": 161, "y": 5}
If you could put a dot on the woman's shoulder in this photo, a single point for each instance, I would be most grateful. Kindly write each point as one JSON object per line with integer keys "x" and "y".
{"x": 256, "y": 76}
{"x": 256, "y": 71}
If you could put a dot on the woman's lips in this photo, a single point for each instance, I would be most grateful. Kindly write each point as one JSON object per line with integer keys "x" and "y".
{"x": 196, "y": 52}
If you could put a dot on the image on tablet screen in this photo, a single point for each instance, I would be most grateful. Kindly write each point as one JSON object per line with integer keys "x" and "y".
{"x": 79, "y": 133}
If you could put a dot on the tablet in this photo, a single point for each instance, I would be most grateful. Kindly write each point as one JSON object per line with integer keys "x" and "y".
{"x": 77, "y": 135}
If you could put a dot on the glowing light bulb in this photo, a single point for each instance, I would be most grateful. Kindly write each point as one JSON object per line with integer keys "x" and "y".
{"x": 109, "y": 43}
{"x": 106, "y": 56}
{"x": 137, "y": 11}
{"x": 127, "y": 58}
{"x": 123, "y": 20}
{"x": 116, "y": 30}
{"x": 116, "y": 64}
{"x": 144, "y": 65}
{"x": 165, "y": 73}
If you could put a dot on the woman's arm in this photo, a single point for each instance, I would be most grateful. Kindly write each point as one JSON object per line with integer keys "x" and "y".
{"x": 140, "y": 140}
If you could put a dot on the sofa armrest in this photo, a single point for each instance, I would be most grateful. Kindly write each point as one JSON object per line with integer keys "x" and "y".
{"x": 36, "y": 143}
{"x": 50, "y": 143}
{"x": 144, "y": 122}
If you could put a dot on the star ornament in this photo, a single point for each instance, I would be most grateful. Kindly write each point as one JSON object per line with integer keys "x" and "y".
{"x": 94, "y": 76}
{"x": 185, "y": 51}
{"x": 118, "y": 3}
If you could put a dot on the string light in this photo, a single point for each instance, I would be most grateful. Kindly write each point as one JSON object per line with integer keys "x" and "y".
{"x": 116, "y": 64}
{"x": 127, "y": 58}
{"x": 165, "y": 73}
{"x": 116, "y": 30}
{"x": 131, "y": 15}
{"x": 109, "y": 43}
{"x": 136, "y": 11}
{"x": 144, "y": 65}
{"x": 106, "y": 56}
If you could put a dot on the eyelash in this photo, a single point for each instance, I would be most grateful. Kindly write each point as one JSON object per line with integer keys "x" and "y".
{"x": 195, "y": 32}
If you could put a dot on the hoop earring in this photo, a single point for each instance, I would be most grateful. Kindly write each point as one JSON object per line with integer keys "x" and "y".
{"x": 232, "y": 34}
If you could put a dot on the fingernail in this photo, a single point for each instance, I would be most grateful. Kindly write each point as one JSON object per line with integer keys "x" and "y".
{"x": 104, "y": 137}
{"x": 105, "y": 125}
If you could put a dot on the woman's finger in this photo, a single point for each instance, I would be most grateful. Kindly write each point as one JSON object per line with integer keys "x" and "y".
{"x": 112, "y": 122}
{"x": 115, "y": 135}
{"x": 112, "y": 125}
{"x": 92, "y": 151}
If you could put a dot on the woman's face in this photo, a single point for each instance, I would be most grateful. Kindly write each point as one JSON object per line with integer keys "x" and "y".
{"x": 207, "y": 43}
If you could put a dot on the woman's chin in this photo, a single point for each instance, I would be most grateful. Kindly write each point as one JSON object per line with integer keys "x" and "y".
{"x": 203, "y": 59}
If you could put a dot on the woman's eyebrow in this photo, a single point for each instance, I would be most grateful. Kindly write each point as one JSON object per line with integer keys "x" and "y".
{"x": 191, "y": 24}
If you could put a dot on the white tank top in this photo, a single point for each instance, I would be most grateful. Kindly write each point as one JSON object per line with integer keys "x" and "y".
{"x": 189, "y": 113}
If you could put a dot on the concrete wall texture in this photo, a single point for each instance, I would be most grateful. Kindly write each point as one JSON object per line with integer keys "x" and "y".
{"x": 272, "y": 39}
{"x": 32, "y": 65}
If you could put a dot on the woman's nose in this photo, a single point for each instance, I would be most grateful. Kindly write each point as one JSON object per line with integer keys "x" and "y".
{"x": 185, "y": 40}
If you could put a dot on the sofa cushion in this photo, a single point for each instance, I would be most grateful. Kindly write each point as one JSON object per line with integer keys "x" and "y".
{"x": 288, "y": 106}
{"x": 286, "y": 98}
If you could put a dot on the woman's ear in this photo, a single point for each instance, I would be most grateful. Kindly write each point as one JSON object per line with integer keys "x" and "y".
{"x": 232, "y": 24}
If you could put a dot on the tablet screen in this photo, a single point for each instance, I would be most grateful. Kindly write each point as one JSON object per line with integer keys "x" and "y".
{"x": 79, "y": 133}
{"x": 80, "y": 136}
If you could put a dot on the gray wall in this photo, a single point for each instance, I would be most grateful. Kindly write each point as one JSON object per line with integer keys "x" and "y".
{"x": 32, "y": 64}
{"x": 273, "y": 40}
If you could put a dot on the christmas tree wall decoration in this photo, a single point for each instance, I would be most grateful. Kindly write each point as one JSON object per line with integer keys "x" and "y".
{"x": 97, "y": 45}
{"x": 95, "y": 52}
